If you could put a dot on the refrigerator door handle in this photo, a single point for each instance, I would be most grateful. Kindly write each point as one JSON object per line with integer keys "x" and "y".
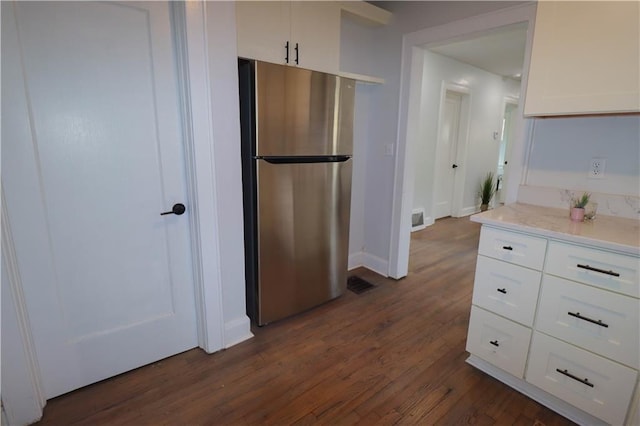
{"x": 305, "y": 159}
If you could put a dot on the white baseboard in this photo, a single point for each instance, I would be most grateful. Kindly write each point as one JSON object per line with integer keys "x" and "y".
{"x": 369, "y": 261}
{"x": 376, "y": 264}
{"x": 418, "y": 227}
{"x": 236, "y": 331}
{"x": 559, "y": 406}
{"x": 428, "y": 221}
{"x": 468, "y": 211}
{"x": 355, "y": 260}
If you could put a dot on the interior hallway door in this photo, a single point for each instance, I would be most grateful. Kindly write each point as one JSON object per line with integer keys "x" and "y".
{"x": 92, "y": 154}
{"x": 446, "y": 154}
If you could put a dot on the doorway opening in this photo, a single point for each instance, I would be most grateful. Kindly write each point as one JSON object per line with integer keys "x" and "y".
{"x": 452, "y": 42}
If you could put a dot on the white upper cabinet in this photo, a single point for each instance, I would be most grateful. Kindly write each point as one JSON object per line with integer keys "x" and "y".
{"x": 311, "y": 30}
{"x": 585, "y": 58}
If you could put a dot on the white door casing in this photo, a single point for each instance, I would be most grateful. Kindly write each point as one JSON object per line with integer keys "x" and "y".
{"x": 446, "y": 155}
{"x": 96, "y": 150}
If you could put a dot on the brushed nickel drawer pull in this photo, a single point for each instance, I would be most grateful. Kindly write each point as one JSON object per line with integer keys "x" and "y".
{"x": 602, "y": 271}
{"x": 597, "y": 322}
{"x": 583, "y": 381}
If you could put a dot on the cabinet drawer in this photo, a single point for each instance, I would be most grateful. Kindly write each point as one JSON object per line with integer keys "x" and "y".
{"x": 615, "y": 272}
{"x": 597, "y": 320}
{"x": 512, "y": 247}
{"x": 506, "y": 289}
{"x": 498, "y": 341}
{"x": 593, "y": 384}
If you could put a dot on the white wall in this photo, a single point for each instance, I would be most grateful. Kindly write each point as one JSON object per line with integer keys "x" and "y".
{"x": 562, "y": 149}
{"x": 479, "y": 154}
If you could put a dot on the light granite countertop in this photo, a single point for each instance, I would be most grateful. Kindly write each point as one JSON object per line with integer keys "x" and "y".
{"x": 607, "y": 232}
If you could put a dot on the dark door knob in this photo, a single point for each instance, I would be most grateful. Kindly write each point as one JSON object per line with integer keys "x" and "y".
{"x": 455, "y": 166}
{"x": 176, "y": 209}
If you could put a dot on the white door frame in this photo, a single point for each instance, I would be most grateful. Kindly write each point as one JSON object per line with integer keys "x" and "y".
{"x": 464, "y": 119}
{"x": 410, "y": 80}
{"x": 211, "y": 198}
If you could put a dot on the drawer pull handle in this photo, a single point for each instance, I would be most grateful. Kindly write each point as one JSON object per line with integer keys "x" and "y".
{"x": 507, "y": 248}
{"x": 502, "y": 290}
{"x": 494, "y": 342}
{"x": 597, "y": 322}
{"x": 602, "y": 271}
{"x": 583, "y": 381}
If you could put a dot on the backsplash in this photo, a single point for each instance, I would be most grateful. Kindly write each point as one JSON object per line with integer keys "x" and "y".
{"x": 608, "y": 204}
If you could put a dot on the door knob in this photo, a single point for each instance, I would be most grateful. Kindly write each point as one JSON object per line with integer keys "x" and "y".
{"x": 454, "y": 166}
{"x": 176, "y": 209}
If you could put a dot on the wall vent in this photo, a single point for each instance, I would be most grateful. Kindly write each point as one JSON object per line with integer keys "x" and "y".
{"x": 417, "y": 220}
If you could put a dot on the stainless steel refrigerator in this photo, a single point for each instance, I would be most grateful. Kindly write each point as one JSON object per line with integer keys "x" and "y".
{"x": 297, "y": 138}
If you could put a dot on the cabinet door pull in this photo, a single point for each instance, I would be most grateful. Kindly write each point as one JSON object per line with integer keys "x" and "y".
{"x": 494, "y": 342}
{"x": 583, "y": 381}
{"x": 502, "y": 290}
{"x": 602, "y": 271}
{"x": 597, "y": 322}
{"x": 286, "y": 56}
{"x": 507, "y": 248}
{"x": 297, "y": 63}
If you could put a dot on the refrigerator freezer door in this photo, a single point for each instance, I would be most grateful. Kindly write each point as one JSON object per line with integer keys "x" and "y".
{"x": 302, "y": 112}
{"x": 303, "y": 235}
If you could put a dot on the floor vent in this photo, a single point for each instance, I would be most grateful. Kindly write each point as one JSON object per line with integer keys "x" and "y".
{"x": 358, "y": 285}
{"x": 417, "y": 220}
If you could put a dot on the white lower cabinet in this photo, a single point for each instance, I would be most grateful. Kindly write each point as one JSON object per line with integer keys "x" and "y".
{"x": 592, "y": 383}
{"x": 602, "y": 322}
{"x": 558, "y": 321}
{"x": 506, "y": 289}
{"x": 499, "y": 341}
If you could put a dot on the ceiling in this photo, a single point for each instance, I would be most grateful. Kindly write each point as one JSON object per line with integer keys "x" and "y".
{"x": 500, "y": 51}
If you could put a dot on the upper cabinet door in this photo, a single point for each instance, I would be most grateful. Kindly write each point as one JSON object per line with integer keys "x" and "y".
{"x": 263, "y": 29}
{"x": 585, "y": 58}
{"x": 311, "y": 29}
{"x": 315, "y": 29}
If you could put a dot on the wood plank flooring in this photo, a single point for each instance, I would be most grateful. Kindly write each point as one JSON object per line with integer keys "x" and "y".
{"x": 392, "y": 355}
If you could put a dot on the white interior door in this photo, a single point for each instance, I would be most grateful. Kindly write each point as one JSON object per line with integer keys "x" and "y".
{"x": 446, "y": 153}
{"x": 508, "y": 134}
{"x": 92, "y": 154}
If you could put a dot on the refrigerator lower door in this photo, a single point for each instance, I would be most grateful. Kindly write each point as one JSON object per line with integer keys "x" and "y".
{"x": 303, "y": 235}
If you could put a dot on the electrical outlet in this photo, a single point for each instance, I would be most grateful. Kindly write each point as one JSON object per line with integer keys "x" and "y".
{"x": 597, "y": 167}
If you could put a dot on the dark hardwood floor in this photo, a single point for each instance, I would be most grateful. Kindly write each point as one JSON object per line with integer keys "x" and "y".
{"x": 392, "y": 355}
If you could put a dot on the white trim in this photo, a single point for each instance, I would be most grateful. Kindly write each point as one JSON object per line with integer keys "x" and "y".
{"x": 224, "y": 155}
{"x": 375, "y": 263}
{"x": 192, "y": 46}
{"x": 355, "y": 260}
{"x": 237, "y": 331}
{"x": 22, "y": 392}
{"x": 559, "y": 406}
{"x": 369, "y": 261}
{"x": 467, "y": 211}
{"x": 403, "y": 187}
